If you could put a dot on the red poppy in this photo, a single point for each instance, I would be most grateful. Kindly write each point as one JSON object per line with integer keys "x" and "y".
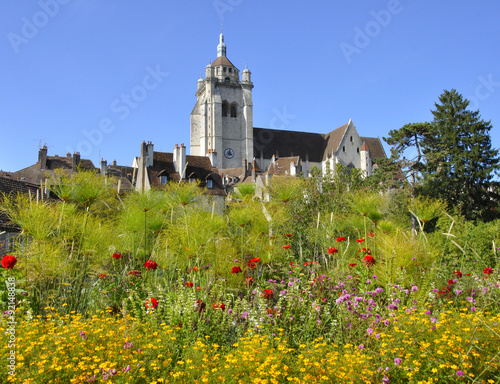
{"x": 332, "y": 250}
{"x": 368, "y": 260}
{"x": 8, "y": 262}
{"x": 451, "y": 282}
{"x": 288, "y": 235}
{"x": 286, "y": 246}
{"x": 360, "y": 240}
{"x": 198, "y": 288}
{"x": 457, "y": 274}
{"x": 292, "y": 264}
{"x": 188, "y": 284}
{"x": 117, "y": 255}
{"x": 268, "y": 293}
{"x": 487, "y": 271}
{"x": 196, "y": 269}
{"x": 152, "y": 303}
{"x": 102, "y": 275}
{"x": 339, "y": 239}
{"x": 236, "y": 269}
{"x": 221, "y": 306}
{"x": 253, "y": 262}
{"x": 306, "y": 263}
{"x": 135, "y": 273}
{"x": 249, "y": 280}
{"x": 352, "y": 265}
{"x": 150, "y": 264}
{"x": 371, "y": 234}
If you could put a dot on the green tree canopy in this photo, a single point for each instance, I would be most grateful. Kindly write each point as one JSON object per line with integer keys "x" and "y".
{"x": 453, "y": 157}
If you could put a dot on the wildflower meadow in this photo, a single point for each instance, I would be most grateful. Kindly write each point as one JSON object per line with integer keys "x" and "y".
{"x": 324, "y": 282}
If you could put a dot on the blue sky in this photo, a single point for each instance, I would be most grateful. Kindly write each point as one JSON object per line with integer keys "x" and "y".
{"x": 100, "y": 77}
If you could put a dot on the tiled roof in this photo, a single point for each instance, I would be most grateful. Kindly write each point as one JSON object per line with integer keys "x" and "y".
{"x": 10, "y": 186}
{"x": 222, "y": 60}
{"x": 34, "y": 173}
{"x": 198, "y": 167}
{"x": 282, "y": 165}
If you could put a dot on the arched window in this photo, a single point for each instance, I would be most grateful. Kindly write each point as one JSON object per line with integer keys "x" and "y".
{"x": 233, "y": 110}
{"x": 224, "y": 109}
{"x": 227, "y": 80}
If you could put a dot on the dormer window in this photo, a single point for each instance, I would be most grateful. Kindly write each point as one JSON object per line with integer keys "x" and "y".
{"x": 163, "y": 180}
{"x": 210, "y": 184}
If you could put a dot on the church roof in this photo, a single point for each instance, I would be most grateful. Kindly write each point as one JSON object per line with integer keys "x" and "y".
{"x": 288, "y": 143}
{"x": 333, "y": 140}
{"x": 222, "y": 60}
{"x": 375, "y": 146}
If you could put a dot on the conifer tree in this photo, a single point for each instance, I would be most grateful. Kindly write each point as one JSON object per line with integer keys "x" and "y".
{"x": 460, "y": 161}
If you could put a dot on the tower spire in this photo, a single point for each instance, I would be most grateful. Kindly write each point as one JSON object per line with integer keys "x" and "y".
{"x": 221, "y": 48}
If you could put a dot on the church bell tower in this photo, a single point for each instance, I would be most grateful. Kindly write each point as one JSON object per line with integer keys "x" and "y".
{"x": 222, "y": 119}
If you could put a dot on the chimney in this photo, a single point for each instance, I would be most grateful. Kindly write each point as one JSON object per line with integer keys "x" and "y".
{"x": 292, "y": 168}
{"x": 114, "y": 162}
{"x": 42, "y": 157}
{"x": 104, "y": 166}
{"x": 180, "y": 159}
{"x": 76, "y": 160}
{"x": 244, "y": 168}
{"x": 150, "y": 149}
{"x": 212, "y": 155}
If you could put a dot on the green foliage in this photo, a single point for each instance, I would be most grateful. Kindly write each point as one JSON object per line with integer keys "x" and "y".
{"x": 454, "y": 159}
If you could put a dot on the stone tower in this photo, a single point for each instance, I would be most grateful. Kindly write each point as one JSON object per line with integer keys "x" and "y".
{"x": 222, "y": 119}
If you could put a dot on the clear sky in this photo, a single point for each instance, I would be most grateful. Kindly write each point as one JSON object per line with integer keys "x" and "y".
{"x": 100, "y": 77}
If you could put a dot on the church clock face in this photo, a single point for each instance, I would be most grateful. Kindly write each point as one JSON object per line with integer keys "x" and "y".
{"x": 229, "y": 153}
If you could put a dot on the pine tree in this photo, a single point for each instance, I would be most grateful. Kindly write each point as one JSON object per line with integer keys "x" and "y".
{"x": 460, "y": 161}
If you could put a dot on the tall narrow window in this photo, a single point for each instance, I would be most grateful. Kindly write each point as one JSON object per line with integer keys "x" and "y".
{"x": 224, "y": 109}
{"x": 233, "y": 110}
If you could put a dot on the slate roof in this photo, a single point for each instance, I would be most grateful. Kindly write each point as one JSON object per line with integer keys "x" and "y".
{"x": 288, "y": 143}
{"x": 375, "y": 146}
{"x": 316, "y": 146}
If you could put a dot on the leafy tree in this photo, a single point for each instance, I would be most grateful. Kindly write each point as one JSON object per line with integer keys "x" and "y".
{"x": 460, "y": 162}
